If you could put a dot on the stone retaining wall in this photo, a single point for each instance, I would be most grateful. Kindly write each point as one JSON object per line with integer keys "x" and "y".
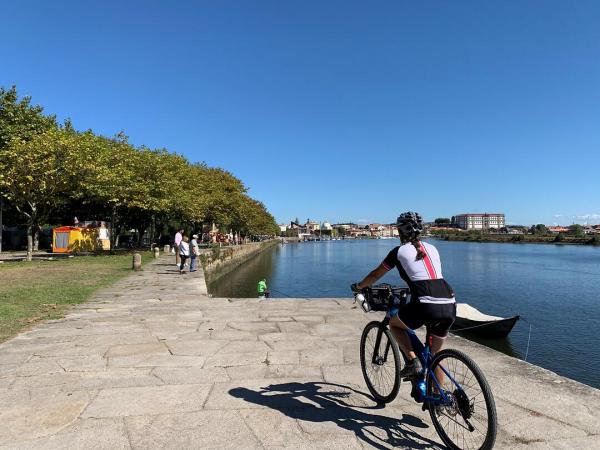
{"x": 218, "y": 261}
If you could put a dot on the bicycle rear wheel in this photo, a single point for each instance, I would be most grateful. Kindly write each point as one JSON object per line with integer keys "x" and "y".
{"x": 380, "y": 362}
{"x": 469, "y": 420}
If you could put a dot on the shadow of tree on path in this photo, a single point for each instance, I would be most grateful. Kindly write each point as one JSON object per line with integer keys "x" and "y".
{"x": 326, "y": 402}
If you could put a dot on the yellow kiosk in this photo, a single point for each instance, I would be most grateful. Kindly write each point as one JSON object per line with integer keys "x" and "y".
{"x": 77, "y": 239}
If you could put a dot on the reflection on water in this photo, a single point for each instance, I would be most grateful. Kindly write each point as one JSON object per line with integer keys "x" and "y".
{"x": 242, "y": 281}
{"x": 552, "y": 287}
{"x": 502, "y": 345}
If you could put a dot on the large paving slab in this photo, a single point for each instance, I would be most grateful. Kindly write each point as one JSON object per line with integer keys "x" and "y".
{"x": 154, "y": 362}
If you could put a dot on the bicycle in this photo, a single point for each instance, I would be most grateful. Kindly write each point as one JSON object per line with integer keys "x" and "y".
{"x": 456, "y": 399}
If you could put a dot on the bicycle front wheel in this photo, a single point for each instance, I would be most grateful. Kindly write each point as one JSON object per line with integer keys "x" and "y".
{"x": 468, "y": 419}
{"x": 380, "y": 362}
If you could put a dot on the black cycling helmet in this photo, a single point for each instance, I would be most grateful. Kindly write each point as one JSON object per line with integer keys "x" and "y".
{"x": 410, "y": 224}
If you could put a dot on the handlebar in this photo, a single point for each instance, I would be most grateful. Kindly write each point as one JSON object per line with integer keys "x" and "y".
{"x": 381, "y": 297}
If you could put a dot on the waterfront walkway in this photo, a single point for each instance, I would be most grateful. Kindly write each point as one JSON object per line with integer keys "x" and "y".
{"x": 153, "y": 362}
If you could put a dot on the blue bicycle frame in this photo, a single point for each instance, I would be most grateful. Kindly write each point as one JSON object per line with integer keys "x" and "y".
{"x": 425, "y": 356}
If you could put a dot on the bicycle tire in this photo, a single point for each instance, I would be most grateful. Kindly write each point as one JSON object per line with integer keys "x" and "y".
{"x": 376, "y": 370}
{"x": 489, "y": 437}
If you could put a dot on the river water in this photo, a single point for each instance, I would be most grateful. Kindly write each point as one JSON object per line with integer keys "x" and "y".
{"x": 554, "y": 288}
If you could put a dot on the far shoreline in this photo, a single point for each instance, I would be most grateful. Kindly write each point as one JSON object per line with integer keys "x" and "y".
{"x": 517, "y": 239}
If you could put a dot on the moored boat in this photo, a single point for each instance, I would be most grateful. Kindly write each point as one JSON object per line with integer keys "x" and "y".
{"x": 471, "y": 320}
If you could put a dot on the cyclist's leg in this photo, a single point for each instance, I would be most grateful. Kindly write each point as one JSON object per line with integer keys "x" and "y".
{"x": 408, "y": 318}
{"x": 398, "y": 329}
{"x": 437, "y": 342}
{"x": 438, "y": 328}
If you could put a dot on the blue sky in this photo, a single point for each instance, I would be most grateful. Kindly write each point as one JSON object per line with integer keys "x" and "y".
{"x": 337, "y": 110}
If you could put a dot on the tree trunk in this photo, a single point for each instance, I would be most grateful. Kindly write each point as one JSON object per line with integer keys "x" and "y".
{"x": 141, "y": 231}
{"x": 36, "y": 238}
{"x": 1, "y": 225}
{"x": 117, "y": 236}
{"x": 113, "y": 237}
{"x": 29, "y": 241}
{"x": 31, "y": 223}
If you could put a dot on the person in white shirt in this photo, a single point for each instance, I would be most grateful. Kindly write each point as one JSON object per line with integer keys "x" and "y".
{"x": 184, "y": 252}
{"x": 177, "y": 241}
{"x": 194, "y": 252}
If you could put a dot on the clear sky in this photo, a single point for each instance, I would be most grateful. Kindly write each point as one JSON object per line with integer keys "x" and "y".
{"x": 337, "y": 110}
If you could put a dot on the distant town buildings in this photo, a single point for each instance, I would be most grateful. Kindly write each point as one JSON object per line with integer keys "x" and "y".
{"x": 495, "y": 222}
{"x": 312, "y": 226}
{"x": 315, "y": 230}
{"x": 479, "y": 221}
{"x": 558, "y": 229}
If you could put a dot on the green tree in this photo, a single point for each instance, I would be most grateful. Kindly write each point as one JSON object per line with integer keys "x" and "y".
{"x": 222, "y": 195}
{"x": 442, "y": 221}
{"x": 539, "y": 229}
{"x": 38, "y": 176}
{"x": 162, "y": 191}
{"x": 107, "y": 177}
{"x": 576, "y": 230}
{"x": 50, "y": 170}
{"x": 21, "y": 120}
{"x": 341, "y": 231}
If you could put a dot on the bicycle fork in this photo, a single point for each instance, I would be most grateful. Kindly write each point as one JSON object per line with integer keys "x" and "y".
{"x": 376, "y": 359}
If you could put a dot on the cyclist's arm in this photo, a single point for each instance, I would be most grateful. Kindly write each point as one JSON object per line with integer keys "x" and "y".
{"x": 373, "y": 276}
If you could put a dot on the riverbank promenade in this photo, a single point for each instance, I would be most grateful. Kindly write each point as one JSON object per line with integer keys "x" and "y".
{"x": 153, "y": 362}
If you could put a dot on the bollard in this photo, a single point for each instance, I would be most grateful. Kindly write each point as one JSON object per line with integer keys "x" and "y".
{"x": 137, "y": 262}
{"x": 167, "y": 248}
{"x": 156, "y": 252}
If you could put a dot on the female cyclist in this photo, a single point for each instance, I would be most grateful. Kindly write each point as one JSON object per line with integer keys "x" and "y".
{"x": 432, "y": 299}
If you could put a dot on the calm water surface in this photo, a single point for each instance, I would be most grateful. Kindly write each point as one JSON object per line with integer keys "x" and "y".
{"x": 555, "y": 288}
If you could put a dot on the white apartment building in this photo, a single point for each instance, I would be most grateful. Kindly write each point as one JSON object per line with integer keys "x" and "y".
{"x": 479, "y": 221}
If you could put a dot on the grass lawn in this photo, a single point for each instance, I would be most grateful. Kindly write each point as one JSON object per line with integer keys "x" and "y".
{"x": 40, "y": 290}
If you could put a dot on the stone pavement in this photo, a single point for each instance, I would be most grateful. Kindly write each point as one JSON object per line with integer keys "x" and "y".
{"x": 153, "y": 362}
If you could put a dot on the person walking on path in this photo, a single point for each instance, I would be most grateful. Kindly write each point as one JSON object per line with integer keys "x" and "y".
{"x": 184, "y": 252}
{"x": 178, "y": 238}
{"x": 194, "y": 252}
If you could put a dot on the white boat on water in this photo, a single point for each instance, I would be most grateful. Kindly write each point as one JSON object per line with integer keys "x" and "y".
{"x": 471, "y": 320}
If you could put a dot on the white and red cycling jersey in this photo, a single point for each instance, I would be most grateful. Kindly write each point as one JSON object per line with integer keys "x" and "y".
{"x": 424, "y": 276}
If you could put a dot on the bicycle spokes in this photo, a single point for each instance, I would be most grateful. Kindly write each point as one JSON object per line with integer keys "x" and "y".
{"x": 380, "y": 361}
{"x": 465, "y": 416}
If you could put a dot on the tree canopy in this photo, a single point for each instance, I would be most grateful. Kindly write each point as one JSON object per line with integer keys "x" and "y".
{"x": 47, "y": 168}
{"x": 539, "y": 229}
{"x": 576, "y": 230}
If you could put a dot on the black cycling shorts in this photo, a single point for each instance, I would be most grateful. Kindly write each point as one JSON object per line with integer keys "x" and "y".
{"x": 437, "y": 318}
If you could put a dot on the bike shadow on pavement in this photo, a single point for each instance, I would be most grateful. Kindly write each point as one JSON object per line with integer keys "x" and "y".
{"x": 328, "y": 402}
